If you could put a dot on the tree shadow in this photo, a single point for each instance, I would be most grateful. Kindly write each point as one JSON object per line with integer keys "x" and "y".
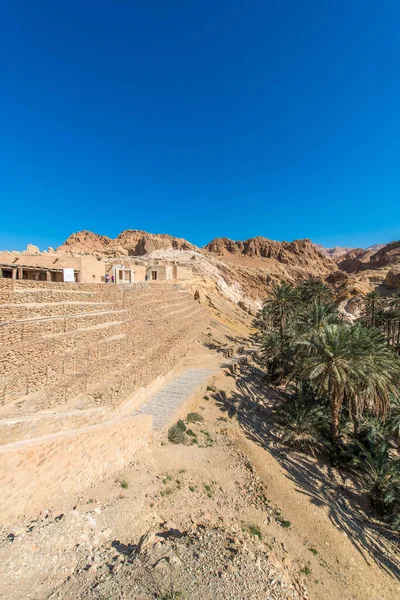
{"x": 255, "y": 404}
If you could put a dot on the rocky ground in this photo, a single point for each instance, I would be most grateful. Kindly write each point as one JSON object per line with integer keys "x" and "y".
{"x": 186, "y": 520}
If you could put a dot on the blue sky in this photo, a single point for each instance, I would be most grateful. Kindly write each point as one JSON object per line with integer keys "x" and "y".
{"x": 200, "y": 119}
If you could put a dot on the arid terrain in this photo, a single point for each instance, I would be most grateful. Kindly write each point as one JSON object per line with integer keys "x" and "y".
{"x": 230, "y": 516}
{"x": 228, "y": 511}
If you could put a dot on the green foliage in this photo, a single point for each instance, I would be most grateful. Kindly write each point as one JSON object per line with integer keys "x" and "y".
{"x": 313, "y": 289}
{"x": 208, "y": 490}
{"x": 176, "y": 433}
{"x": 253, "y": 530}
{"x": 124, "y": 484}
{"x": 380, "y": 474}
{"x": 285, "y": 523}
{"x": 338, "y": 375}
{"x": 194, "y": 418}
{"x": 393, "y": 421}
{"x": 305, "y": 427}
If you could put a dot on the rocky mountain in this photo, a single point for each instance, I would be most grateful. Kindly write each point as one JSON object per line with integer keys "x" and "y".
{"x": 372, "y": 258}
{"x": 299, "y": 253}
{"x": 131, "y": 242}
{"x": 338, "y": 252}
{"x": 85, "y": 242}
{"x": 334, "y": 253}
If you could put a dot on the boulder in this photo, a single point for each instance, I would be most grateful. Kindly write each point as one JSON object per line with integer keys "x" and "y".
{"x": 392, "y": 279}
{"x": 32, "y": 249}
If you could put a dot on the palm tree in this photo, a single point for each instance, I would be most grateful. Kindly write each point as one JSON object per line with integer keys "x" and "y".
{"x": 381, "y": 475}
{"x": 305, "y": 426}
{"x": 372, "y": 301}
{"x": 280, "y": 306}
{"x": 355, "y": 363}
{"x": 330, "y": 366}
{"x": 393, "y": 422}
{"x": 316, "y": 315}
{"x": 314, "y": 289}
{"x": 394, "y": 304}
{"x": 277, "y": 355}
{"x": 375, "y": 376}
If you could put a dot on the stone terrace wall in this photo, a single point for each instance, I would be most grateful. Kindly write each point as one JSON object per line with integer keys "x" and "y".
{"x": 69, "y": 346}
{"x": 36, "y": 474}
{"x": 70, "y": 356}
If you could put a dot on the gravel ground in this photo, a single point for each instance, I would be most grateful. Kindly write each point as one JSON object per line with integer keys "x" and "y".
{"x": 206, "y": 563}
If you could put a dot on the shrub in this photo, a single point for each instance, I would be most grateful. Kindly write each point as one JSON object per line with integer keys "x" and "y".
{"x": 285, "y": 524}
{"x": 253, "y": 530}
{"x": 305, "y": 427}
{"x": 194, "y": 418}
{"x": 176, "y": 433}
{"x": 369, "y": 458}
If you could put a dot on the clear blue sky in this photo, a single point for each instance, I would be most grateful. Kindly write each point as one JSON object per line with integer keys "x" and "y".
{"x": 200, "y": 118}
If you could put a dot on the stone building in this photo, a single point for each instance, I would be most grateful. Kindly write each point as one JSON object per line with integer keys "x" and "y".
{"x": 161, "y": 271}
{"x": 51, "y": 267}
{"x": 59, "y": 267}
{"x": 126, "y": 272}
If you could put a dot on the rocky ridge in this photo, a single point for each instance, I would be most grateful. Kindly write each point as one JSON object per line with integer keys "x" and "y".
{"x": 131, "y": 242}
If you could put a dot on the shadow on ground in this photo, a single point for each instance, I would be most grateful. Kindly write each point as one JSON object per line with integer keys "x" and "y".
{"x": 254, "y": 405}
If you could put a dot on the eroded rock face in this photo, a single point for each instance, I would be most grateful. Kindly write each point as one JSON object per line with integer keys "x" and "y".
{"x": 387, "y": 256}
{"x": 130, "y": 241}
{"x": 85, "y": 241}
{"x": 375, "y": 257}
{"x": 392, "y": 279}
{"x": 299, "y": 252}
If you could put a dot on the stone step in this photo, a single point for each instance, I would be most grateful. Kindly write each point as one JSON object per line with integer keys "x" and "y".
{"x": 165, "y": 403}
{"x": 84, "y": 329}
{"x": 60, "y": 317}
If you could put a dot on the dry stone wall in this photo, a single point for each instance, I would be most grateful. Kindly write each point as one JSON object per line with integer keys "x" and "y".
{"x": 71, "y": 355}
{"x": 88, "y": 345}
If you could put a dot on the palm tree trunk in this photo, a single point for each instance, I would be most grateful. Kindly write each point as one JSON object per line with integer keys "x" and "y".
{"x": 335, "y": 413}
{"x": 355, "y": 416}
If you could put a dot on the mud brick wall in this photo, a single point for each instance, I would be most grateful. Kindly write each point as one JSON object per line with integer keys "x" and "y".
{"x": 37, "y": 474}
{"x": 68, "y": 345}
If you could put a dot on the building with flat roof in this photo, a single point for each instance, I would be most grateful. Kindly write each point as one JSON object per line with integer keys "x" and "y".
{"x": 51, "y": 267}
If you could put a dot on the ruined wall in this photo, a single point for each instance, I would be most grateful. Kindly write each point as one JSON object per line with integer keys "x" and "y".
{"x": 76, "y": 346}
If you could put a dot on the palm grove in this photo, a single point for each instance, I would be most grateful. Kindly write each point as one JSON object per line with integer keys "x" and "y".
{"x": 341, "y": 382}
